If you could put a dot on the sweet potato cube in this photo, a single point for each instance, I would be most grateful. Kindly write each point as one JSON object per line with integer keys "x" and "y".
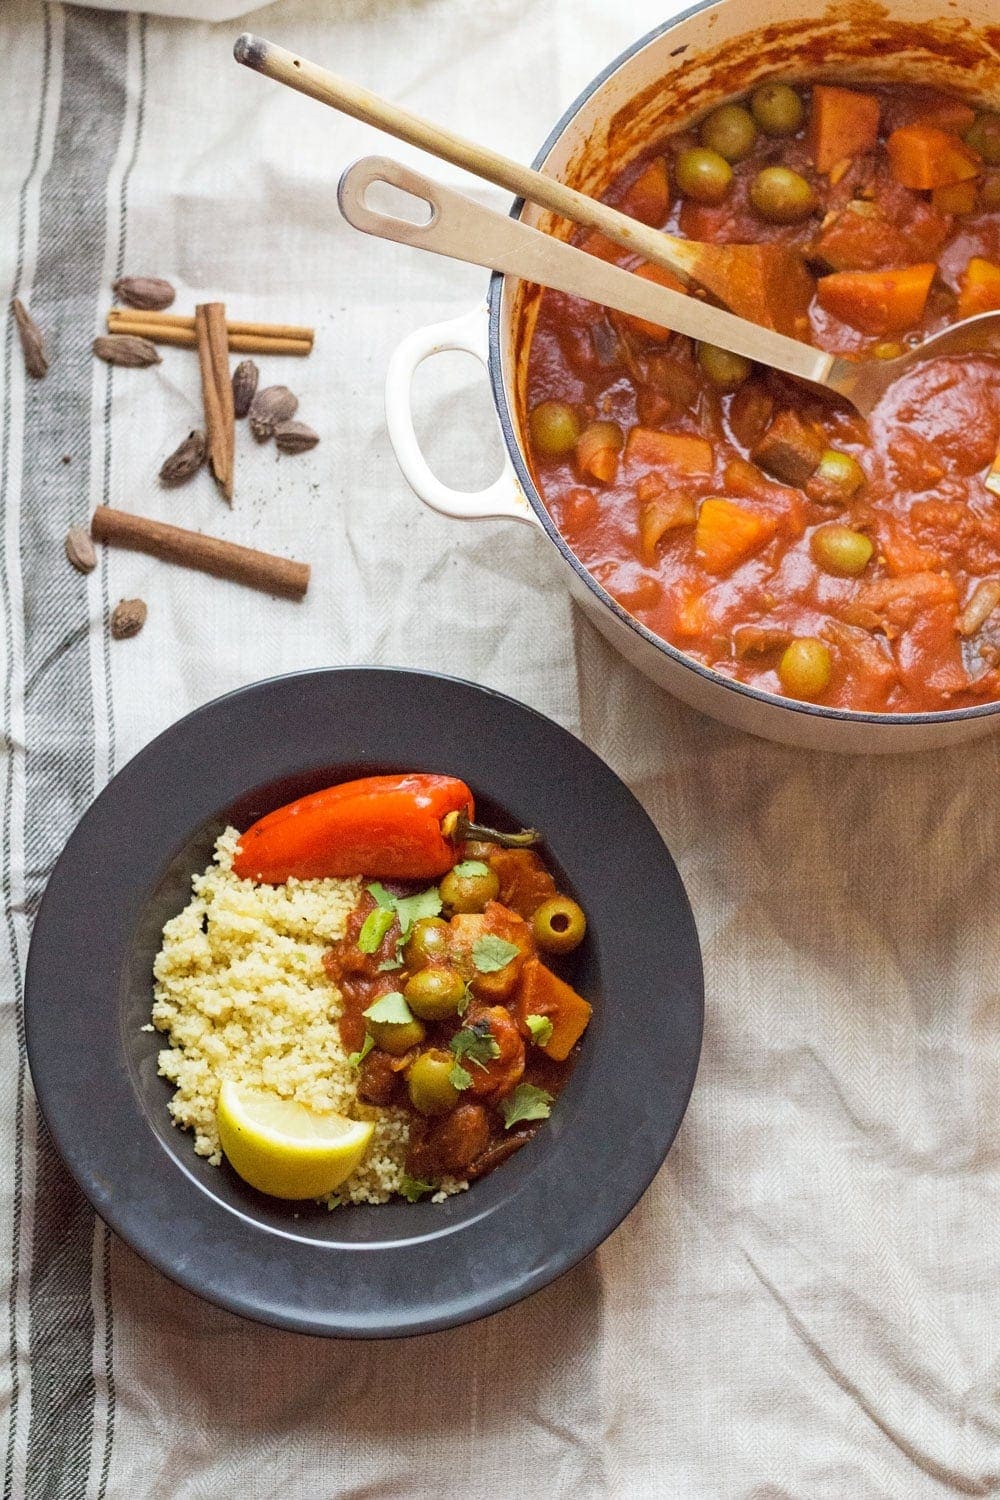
{"x": 842, "y": 123}
{"x": 979, "y": 288}
{"x": 662, "y": 277}
{"x": 543, "y": 993}
{"x": 923, "y": 157}
{"x": 957, "y": 198}
{"x": 877, "y": 302}
{"x": 790, "y": 449}
{"x": 648, "y": 199}
{"x": 680, "y": 452}
{"x": 727, "y": 534}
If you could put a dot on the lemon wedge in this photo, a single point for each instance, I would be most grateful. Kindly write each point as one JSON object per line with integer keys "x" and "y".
{"x": 285, "y": 1149}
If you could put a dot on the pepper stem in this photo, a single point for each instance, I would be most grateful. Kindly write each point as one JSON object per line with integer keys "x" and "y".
{"x": 459, "y": 829}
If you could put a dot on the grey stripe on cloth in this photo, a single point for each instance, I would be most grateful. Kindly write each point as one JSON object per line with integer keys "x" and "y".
{"x": 8, "y": 786}
{"x": 59, "y": 726}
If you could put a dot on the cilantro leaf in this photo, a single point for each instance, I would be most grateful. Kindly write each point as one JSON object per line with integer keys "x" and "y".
{"x": 465, "y": 1001}
{"x": 391, "y": 1009}
{"x": 411, "y": 1188}
{"x": 526, "y": 1103}
{"x": 374, "y": 928}
{"x": 540, "y": 1028}
{"x": 475, "y": 1044}
{"x": 471, "y": 867}
{"x": 357, "y": 1058}
{"x": 410, "y": 909}
{"x": 491, "y": 953}
{"x": 381, "y": 896}
{"x": 390, "y": 963}
{"x": 460, "y": 1078}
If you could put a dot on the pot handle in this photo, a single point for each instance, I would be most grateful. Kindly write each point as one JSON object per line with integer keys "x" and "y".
{"x": 469, "y": 334}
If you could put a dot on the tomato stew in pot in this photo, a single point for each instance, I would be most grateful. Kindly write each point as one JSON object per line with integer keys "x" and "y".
{"x": 768, "y": 532}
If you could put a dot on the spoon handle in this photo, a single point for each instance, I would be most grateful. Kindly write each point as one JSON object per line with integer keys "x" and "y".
{"x": 678, "y": 255}
{"x": 464, "y": 230}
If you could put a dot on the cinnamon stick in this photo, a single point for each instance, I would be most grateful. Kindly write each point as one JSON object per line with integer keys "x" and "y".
{"x": 132, "y": 315}
{"x": 217, "y": 392}
{"x": 186, "y": 338}
{"x": 208, "y": 554}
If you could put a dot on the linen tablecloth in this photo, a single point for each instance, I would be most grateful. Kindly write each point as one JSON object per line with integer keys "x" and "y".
{"x": 805, "y": 1302}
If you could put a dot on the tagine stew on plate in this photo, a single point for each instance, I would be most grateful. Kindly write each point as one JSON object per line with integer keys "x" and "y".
{"x": 766, "y": 531}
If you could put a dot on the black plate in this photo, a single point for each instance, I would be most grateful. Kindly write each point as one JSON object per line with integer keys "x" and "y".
{"x": 361, "y": 1271}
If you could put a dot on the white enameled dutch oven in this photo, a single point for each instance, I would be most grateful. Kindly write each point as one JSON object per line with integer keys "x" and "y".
{"x": 707, "y": 54}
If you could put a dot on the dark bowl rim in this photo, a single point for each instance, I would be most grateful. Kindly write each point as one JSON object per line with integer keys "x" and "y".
{"x": 509, "y": 432}
{"x": 460, "y": 1309}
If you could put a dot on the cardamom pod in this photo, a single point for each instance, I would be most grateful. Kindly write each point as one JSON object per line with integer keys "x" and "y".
{"x": 151, "y": 293}
{"x": 126, "y": 349}
{"x": 295, "y": 437}
{"x": 274, "y": 404}
{"x": 36, "y": 361}
{"x": 245, "y": 378}
{"x": 127, "y": 618}
{"x": 185, "y": 460}
{"x": 80, "y": 549}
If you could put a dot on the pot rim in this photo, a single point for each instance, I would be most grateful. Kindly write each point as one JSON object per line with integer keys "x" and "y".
{"x": 509, "y": 431}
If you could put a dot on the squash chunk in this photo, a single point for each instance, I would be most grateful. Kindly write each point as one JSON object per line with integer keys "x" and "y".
{"x": 979, "y": 288}
{"x": 922, "y": 157}
{"x": 680, "y": 452}
{"x": 543, "y": 993}
{"x": 727, "y": 534}
{"x": 842, "y": 124}
{"x": 877, "y": 302}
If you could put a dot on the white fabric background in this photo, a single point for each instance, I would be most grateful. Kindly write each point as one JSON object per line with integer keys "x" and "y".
{"x": 805, "y": 1303}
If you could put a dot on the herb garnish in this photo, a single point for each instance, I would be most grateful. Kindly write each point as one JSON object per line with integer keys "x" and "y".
{"x": 541, "y": 1029}
{"x": 475, "y": 1044}
{"x": 411, "y": 1188}
{"x": 407, "y": 910}
{"x": 526, "y": 1103}
{"x": 374, "y": 928}
{"x": 469, "y": 867}
{"x": 391, "y": 1009}
{"x": 492, "y": 953}
{"x": 460, "y": 1078}
{"x": 355, "y": 1059}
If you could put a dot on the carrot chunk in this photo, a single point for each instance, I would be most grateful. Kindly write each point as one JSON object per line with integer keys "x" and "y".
{"x": 727, "y": 534}
{"x": 979, "y": 288}
{"x": 648, "y": 199}
{"x": 662, "y": 277}
{"x": 921, "y": 157}
{"x": 680, "y": 452}
{"x": 542, "y": 993}
{"x": 877, "y": 302}
{"x": 842, "y": 123}
{"x": 956, "y": 198}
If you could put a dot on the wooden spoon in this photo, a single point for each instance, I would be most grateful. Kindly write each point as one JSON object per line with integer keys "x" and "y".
{"x": 465, "y": 230}
{"x": 766, "y": 283}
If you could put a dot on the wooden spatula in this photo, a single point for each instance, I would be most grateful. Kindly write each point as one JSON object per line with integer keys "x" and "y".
{"x": 768, "y": 284}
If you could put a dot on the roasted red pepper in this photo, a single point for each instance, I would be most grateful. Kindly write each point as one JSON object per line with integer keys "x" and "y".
{"x": 388, "y": 826}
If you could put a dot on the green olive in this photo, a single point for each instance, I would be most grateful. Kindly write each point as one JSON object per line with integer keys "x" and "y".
{"x": 466, "y": 893}
{"x": 702, "y": 175}
{"x": 805, "y": 667}
{"x": 434, "y": 993}
{"x": 397, "y": 1037}
{"x": 777, "y": 108}
{"x": 723, "y": 370}
{"x": 781, "y": 196}
{"x": 558, "y": 925}
{"x": 431, "y": 1089}
{"x": 983, "y": 135}
{"x": 427, "y": 943}
{"x": 555, "y": 428}
{"x": 840, "y": 550}
{"x": 730, "y": 131}
{"x": 841, "y": 471}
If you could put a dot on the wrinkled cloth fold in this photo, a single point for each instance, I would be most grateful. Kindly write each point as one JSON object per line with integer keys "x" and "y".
{"x": 805, "y": 1303}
